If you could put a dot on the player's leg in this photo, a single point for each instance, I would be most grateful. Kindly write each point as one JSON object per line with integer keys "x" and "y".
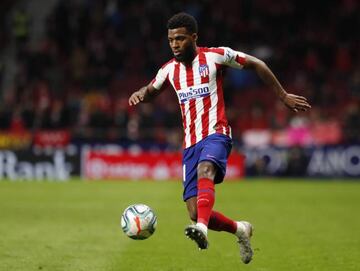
{"x": 211, "y": 169}
{"x": 191, "y": 206}
{"x": 213, "y": 161}
{"x": 206, "y": 171}
{"x": 217, "y": 221}
{"x": 202, "y": 205}
{"x": 242, "y": 229}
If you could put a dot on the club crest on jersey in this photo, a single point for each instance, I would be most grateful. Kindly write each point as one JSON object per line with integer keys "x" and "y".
{"x": 204, "y": 70}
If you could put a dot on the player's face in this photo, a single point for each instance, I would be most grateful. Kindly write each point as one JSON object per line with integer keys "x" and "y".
{"x": 182, "y": 44}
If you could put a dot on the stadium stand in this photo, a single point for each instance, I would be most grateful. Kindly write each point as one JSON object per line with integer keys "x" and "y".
{"x": 78, "y": 76}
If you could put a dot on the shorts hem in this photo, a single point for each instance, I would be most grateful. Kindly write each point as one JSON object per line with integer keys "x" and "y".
{"x": 189, "y": 196}
{"x": 217, "y": 180}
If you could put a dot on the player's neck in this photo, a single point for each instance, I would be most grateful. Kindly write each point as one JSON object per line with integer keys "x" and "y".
{"x": 192, "y": 54}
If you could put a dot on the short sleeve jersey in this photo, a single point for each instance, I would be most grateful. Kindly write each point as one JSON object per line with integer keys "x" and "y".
{"x": 199, "y": 88}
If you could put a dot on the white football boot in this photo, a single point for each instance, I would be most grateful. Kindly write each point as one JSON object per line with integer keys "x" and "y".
{"x": 244, "y": 233}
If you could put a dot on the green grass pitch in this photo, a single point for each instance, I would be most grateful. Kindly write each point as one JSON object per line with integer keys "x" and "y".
{"x": 74, "y": 226}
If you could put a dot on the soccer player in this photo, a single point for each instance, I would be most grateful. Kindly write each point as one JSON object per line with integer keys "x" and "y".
{"x": 196, "y": 74}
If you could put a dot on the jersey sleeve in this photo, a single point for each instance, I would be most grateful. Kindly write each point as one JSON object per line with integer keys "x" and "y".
{"x": 232, "y": 58}
{"x": 160, "y": 79}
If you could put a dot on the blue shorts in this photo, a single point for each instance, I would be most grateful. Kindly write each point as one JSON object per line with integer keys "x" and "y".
{"x": 214, "y": 148}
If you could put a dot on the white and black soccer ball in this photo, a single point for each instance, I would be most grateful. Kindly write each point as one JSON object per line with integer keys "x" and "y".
{"x": 138, "y": 221}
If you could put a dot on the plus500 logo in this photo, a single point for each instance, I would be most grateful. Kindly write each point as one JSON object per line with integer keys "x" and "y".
{"x": 193, "y": 93}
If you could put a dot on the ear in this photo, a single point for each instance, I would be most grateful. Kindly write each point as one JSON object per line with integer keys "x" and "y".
{"x": 194, "y": 37}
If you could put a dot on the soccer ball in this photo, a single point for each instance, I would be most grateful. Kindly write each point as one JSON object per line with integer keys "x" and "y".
{"x": 138, "y": 221}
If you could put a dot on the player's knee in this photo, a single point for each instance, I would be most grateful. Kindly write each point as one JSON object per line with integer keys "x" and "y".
{"x": 206, "y": 169}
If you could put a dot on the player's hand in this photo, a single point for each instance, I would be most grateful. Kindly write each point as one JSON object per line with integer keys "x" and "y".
{"x": 137, "y": 96}
{"x": 296, "y": 103}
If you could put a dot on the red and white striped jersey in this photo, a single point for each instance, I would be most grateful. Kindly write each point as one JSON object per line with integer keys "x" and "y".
{"x": 199, "y": 89}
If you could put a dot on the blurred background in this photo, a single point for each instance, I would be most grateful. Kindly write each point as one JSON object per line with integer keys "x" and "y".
{"x": 67, "y": 69}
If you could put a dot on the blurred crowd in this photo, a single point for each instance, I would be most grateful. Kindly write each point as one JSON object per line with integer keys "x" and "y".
{"x": 95, "y": 53}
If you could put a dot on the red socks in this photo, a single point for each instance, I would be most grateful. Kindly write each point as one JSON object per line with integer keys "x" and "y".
{"x": 205, "y": 200}
{"x": 219, "y": 222}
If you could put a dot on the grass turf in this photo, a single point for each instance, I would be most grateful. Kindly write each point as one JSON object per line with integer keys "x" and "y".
{"x": 299, "y": 225}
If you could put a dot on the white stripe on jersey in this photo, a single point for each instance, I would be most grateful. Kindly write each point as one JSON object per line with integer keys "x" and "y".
{"x": 198, "y": 123}
{"x": 183, "y": 77}
{"x": 214, "y": 100}
{"x": 187, "y": 136}
{"x": 199, "y": 102}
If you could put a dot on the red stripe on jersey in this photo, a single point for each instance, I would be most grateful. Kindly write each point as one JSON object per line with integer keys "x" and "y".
{"x": 202, "y": 61}
{"x": 227, "y": 130}
{"x": 241, "y": 60}
{"x": 182, "y": 106}
{"x": 192, "y": 105}
{"x": 220, "y": 110}
{"x": 189, "y": 76}
{"x": 219, "y": 51}
{"x": 177, "y": 76}
{"x": 205, "y": 116}
{"x": 206, "y": 100}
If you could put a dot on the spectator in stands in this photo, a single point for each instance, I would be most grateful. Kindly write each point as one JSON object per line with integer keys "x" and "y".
{"x": 85, "y": 49}
{"x": 352, "y": 123}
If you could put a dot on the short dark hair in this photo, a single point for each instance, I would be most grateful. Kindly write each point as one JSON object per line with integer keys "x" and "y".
{"x": 183, "y": 19}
